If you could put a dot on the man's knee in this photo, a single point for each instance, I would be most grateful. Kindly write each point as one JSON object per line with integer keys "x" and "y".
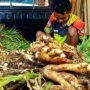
{"x": 72, "y": 31}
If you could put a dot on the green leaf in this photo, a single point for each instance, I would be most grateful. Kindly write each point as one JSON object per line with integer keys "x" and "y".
{"x": 13, "y": 40}
{"x": 87, "y": 56}
{"x": 13, "y": 78}
{"x": 84, "y": 48}
{"x": 84, "y": 45}
{"x": 48, "y": 85}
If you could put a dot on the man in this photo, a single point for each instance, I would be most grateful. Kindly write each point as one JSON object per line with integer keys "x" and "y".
{"x": 63, "y": 25}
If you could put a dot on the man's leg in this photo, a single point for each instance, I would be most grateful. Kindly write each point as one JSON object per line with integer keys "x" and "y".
{"x": 72, "y": 36}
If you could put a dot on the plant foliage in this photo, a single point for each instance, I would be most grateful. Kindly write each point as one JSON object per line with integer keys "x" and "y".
{"x": 84, "y": 48}
{"x": 13, "y": 40}
{"x": 13, "y": 78}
